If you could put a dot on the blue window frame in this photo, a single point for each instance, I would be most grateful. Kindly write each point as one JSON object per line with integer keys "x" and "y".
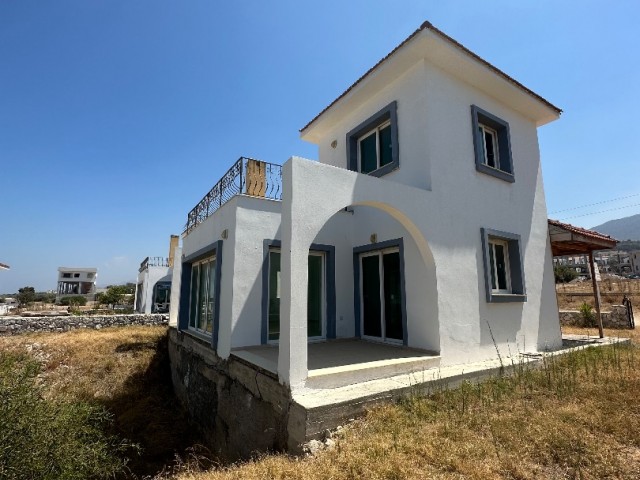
{"x": 503, "y": 266}
{"x": 199, "y": 312}
{"x": 492, "y": 145}
{"x": 372, "y": 146}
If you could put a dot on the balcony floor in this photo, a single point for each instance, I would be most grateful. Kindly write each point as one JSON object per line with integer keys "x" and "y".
{"x": 337, "y": 363}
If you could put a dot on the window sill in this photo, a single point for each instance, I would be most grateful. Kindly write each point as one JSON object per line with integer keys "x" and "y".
{"x": 200, "y": 336}
{"x": 494, "y": 172}
{"x": 507, "y": 298}
{"x": 382, "y": 171}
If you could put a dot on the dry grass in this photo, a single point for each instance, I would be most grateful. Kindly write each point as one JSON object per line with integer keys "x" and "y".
{"x": 124, "y": 369}
{"x": 578, "y": 417}
{"x": 572, "y": 295}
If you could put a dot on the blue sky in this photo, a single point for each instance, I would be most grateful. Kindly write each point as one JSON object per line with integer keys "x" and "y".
{"x": 116, "y": 117}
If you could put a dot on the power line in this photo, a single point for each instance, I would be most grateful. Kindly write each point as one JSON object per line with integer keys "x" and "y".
{"x": 601, "y": 211}
{"x": 596, "y": 203}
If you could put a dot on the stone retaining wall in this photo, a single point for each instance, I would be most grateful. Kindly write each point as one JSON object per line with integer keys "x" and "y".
{"x": 239, "y": 408}
{"x": 16, "y": 325}
{"x": 616, "y": 318}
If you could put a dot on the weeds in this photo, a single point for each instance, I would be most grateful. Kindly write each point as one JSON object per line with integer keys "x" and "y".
{"x": 51, "y": 439}
{"x": 572, "y": 417}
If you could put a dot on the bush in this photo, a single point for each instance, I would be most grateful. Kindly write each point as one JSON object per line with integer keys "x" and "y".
{"x": 73, "y": 301}
{"x": 48, "y": 439}
{"x": 588, "y": 317}
{"x": 564, "y": 273}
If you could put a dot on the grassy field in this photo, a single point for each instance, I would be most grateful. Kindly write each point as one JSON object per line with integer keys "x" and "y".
{"x": 578, "y": 417}
{"x": 125, "y": 370}
{"x": 572, "y": 295}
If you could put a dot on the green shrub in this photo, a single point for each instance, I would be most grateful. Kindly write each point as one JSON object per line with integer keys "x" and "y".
{"x": 564, "y": 273}
{"x": 73, "y": 301}
{"x": 588, "y": 317}
{"x": 49, "y": 439}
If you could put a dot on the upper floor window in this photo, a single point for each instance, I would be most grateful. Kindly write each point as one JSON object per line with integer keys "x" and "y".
{"x": 492, "y": 144}
{"x": 372, "y": 147}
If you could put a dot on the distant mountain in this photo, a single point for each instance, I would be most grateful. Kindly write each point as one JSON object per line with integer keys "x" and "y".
{"x": 627, "y": 228}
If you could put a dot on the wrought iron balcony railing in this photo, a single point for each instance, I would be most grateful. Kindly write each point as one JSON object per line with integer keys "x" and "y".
{"x": 247, "y": 176}
{"x": 153, "y": 262}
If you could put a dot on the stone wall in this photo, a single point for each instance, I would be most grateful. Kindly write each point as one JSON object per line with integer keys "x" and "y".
{"x": 615, "y": 318}
{"x": 10, "y": 325}
{"x": 240, "y": 409}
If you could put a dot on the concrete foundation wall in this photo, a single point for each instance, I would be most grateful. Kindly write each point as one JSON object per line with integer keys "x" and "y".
{"x": 240, "y": 409}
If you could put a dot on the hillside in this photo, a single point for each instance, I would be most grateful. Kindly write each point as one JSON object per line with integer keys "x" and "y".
{"x": 627, "y": 228}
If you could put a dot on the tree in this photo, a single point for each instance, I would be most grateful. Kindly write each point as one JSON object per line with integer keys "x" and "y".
{"x": 564, "y": 273}
{"x": 113, "y": 295}
{"x": 26, "y": 295}
{"x": 45, "y": 297}
{"x": 73, "y": 300}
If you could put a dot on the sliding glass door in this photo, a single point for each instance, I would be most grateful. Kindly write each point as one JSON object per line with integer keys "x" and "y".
{"x": 381, "y": 295}
{"x": 316, "y": 303}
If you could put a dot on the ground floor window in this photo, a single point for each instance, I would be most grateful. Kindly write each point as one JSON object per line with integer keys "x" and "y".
{"x": 202, "y": 295}
{"x": 503, "y": 266}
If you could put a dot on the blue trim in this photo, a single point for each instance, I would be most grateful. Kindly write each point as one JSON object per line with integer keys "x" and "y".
{"x": 398, "y": 242}
{"x": 330, "y": 286}
{"x": 185, "y": 289}
{"x": 388, "y": 113}
{"x": 516, "y": 267}
{"x": 505, "y": 172}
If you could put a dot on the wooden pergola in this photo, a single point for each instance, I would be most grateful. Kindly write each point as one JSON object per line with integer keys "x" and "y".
{"x": 568, "y": 239}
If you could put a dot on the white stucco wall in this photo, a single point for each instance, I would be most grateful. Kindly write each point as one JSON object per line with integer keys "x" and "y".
{"x": 436, "y": 201}
{"x": 436, "y": 154}
{"x": 410, "y": 93}
{"x": 445, "y": 280}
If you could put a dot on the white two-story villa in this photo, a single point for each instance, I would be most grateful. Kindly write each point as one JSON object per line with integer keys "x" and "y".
{"x": 417, "y": 241}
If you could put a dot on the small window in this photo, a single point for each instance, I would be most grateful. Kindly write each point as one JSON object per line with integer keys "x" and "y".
{"x": 66, "y": 275}
{"x": 492, "y": 144}
{"x": 499, "y": 263}
{"x": 76, "y": 275}
{"x": 504, "y": 274}
{"x": 372, "y": 147}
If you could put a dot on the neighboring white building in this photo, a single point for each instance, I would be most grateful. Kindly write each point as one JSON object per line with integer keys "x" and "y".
{"x": 153, "y": 289}
{"x": 76, "y": 281}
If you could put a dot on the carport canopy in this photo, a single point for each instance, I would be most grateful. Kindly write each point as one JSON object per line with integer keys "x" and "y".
{"x": 568, "y": 239}
{"x": 571, "y": 240}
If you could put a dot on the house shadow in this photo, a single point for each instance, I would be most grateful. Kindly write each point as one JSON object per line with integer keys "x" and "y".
{"x": 147, "y": 413}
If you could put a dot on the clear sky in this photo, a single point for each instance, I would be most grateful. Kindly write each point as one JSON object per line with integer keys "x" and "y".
{"x": 116, "y": 117}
